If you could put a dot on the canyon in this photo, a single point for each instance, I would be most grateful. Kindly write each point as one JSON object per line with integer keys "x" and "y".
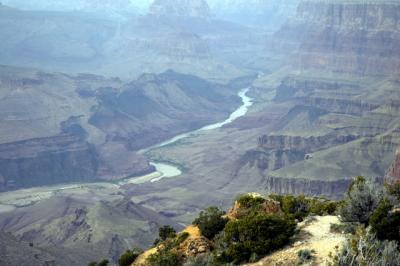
{"x": 322, "y": 76}
{"x": 99, "y": 119}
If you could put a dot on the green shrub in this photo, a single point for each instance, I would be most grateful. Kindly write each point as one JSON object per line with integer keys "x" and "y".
{"x": 361, "y": 201}
{"x": 254, "y": 236}
{"x": 171, "y": 243}
{"x": 164, "y": 258}
{"x": 297, "y": 207}
{"x": 166, "y": 232}
{"x": 129, "y": 257}
{"x": 249, "y": 201}
{"x": 182, "y": 237}
{"x": 300, "y": 206}
{"x": 385, "y": 223}
{"x": 322, "y": 207}
{"x": 210, "y": 222}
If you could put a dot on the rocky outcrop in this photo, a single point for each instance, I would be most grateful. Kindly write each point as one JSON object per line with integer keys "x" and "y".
{"x": 346, "y": 36}
{"x": 196, "y": 246}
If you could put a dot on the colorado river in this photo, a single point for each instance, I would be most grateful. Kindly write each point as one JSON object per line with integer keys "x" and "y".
{"x": 166, "y": 170}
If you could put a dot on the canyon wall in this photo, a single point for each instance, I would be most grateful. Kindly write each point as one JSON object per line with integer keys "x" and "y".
{"x": 394, "y": 171}
{"x": 335, "y": 109}
{"x": 359, "y": 37}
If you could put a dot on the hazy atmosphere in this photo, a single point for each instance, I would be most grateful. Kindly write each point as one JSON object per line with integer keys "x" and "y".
{"x": 199, "y": 132}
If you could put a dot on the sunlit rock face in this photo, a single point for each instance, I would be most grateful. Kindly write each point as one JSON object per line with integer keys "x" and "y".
{"x": 180, "y": 8}
{"x": 358, "y": 37}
